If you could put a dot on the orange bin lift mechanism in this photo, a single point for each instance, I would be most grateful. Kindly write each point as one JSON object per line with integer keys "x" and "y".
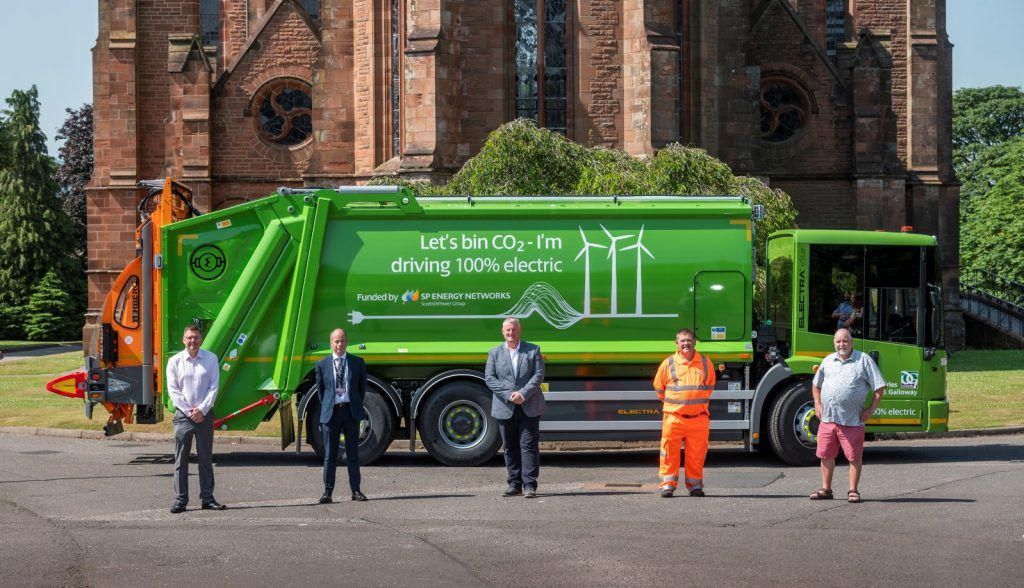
{"x": 122, "y": 309}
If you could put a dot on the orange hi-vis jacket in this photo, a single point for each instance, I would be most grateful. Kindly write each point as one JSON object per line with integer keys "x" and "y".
{"x": 685, "y": 386}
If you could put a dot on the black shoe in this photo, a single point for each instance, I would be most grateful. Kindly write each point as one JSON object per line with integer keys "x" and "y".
{"x": 696, "y": 492}
{"x": 212, "y": 504}
{"x": 358, "y": 496}
{"x": 512, "y": 490}
{"x": 326, "y": 498}
{"x": 667, "y": 492}
{"x": 530, "y": 493}
{"x": 179, "y": 507}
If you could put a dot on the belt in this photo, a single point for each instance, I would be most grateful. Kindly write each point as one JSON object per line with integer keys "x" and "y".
{"x": 690, "y": 416}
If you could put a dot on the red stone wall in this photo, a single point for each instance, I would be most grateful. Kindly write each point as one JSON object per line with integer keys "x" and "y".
{"x": 286, "y": 48}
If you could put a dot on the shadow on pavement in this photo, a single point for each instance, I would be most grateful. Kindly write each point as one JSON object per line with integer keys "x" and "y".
{"x": 118, "y": 477}
{"x": 875, "y": 453}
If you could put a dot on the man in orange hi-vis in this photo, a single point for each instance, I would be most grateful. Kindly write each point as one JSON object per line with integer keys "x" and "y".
{"x": 684, "y": 383}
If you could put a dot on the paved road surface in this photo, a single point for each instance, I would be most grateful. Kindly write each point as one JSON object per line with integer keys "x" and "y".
{"x": 94, "y": 512}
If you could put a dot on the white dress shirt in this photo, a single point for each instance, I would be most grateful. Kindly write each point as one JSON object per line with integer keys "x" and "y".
{"x": 340, "y": 377}
{"x": 513, "y": 356}
{"x": 192, "y": 381}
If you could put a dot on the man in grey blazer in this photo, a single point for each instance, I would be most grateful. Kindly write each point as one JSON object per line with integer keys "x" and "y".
{"x": 514, "y": 372}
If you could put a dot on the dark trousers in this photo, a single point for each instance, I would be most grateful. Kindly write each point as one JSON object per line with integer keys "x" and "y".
{"x": 341, "y": 421}
{"x": 184, "y": 431}
{"x": 521, "y": 437}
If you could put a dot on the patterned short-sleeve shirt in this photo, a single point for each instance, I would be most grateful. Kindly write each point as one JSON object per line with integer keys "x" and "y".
{"x": 845, "y": 385}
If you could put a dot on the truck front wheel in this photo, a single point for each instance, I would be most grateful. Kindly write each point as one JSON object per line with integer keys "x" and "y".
{"x": 456, "y": 426}
{"x": 374, "y": 432}
{"x": 793, "y": 425}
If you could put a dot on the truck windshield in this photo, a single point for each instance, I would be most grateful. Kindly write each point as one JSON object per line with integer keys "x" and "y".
{"x": 880, "y": 293}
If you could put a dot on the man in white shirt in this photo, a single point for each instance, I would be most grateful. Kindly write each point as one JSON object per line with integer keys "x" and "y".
{"x": 192, "y": 379}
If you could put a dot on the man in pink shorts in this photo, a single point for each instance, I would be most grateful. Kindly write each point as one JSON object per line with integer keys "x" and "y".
{"x": 841, "y": 385}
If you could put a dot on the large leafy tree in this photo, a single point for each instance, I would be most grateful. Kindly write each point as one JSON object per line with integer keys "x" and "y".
{"x": 988, "y": 155}
{"x": 34, "y": 231}
{"x": 76, "y": 163}
{"x": 520, "y": 159}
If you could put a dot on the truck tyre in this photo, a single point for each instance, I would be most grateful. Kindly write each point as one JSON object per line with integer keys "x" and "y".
{"x": 793, "y": 426}
{"x": 456, "y": 425}
{"x": 376, "y": 429}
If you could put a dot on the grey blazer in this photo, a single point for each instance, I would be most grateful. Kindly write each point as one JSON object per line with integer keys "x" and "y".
{"x": 500, "y": 380}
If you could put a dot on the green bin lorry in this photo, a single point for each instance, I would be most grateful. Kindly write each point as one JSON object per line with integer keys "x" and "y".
{"x": 421, "y": 285}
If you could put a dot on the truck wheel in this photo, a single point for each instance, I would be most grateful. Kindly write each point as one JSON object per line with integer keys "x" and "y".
{"x": 375, "y": 431}
{"x": 456, "y": 425}
{"x": 794, "y": 425}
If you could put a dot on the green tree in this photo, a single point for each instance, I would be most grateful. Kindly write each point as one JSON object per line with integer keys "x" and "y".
{"x": 76, "y": 164}
{"x": 988, "y": 156}
{"x": 520, "y": 159}
{"x": 34, "y": 231}
{"x": 50, "y": 311}
{"x": 992, "y": 237}
{"x": 983, "y": 117}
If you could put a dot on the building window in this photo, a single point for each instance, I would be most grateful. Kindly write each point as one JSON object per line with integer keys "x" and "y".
{"x": 284, "y": 112}
{"x": 784, "y": 108}
{"x": 397, "y": 36}
{"x": 312, "y": 7}
{"x": 209, "y": 20}
{"x": 540, "y": 49}
{"x": 835, "y": 26}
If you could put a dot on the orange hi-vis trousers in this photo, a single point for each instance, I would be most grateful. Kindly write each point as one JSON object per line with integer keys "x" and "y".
{"x": 694, "y": 432}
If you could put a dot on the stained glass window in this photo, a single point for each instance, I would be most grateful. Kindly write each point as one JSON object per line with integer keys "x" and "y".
{"x": 835, "y": 26}
{"x": 783, "y": 109}
{"x": 396, "y": 77}
{"x": 312, "y": 7}
{"x": 285, "y": 112}
{"x": 209, "y": 22}
{"x": 541, "y": 73}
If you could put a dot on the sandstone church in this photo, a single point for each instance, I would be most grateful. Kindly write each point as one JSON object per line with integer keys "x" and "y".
{"x": 844, "y": 104}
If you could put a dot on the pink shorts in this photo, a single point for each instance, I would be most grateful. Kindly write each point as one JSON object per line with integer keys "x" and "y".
{"x": 832, "y": 436}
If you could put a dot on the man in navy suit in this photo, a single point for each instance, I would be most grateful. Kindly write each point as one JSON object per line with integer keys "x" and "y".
{"x": 341, "y": 387}
{"x": 514, "y": 372}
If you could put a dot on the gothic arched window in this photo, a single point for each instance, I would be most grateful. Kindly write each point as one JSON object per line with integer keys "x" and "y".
{"x": 541, "y": 73}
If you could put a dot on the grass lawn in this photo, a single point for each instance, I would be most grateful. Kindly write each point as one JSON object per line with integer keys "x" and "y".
{"x": 25, "y": 402}
{"x": 985, "y": 389}
{"x": 16, "y": 345}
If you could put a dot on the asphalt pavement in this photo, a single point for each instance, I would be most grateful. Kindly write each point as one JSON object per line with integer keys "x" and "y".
{"x": 91, "y": 512}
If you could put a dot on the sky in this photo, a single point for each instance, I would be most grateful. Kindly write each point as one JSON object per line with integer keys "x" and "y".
{"x": 57, "y": 57}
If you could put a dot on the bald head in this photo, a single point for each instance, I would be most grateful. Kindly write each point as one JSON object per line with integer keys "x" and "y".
{"x": 843, "y": 342}
{"x": 339, "y": 341}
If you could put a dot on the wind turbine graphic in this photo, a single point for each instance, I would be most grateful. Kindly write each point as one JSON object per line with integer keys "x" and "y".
{"x": 613, "y": 254}
{"x": 640, "y": 250}
{"x": 585, "y": 253}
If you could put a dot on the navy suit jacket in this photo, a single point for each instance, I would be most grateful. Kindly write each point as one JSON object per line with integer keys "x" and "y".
{"x": 356, "y": 386}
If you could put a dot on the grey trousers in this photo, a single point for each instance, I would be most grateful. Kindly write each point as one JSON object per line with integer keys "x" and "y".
{"x": 184, "y": 431}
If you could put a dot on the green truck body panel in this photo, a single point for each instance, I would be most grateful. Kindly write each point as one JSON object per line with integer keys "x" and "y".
{"x": 425, "y": 289}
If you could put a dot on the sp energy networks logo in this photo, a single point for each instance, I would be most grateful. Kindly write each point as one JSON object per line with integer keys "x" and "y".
{"x": 411, "y": 296}
{"x": 908, "y": 380}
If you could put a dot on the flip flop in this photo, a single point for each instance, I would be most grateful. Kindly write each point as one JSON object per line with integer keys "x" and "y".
{"x": 853, "y": 496}
{"x": 821, "y": 494}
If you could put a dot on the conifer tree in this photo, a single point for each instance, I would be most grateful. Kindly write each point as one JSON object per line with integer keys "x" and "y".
{"x": 49, "y": 314}
{"x": 35, "y": 234}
